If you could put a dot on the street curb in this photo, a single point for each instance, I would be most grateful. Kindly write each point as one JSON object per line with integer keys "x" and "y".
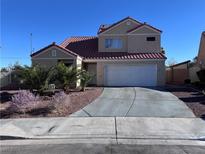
{"x": 102, "y": 141}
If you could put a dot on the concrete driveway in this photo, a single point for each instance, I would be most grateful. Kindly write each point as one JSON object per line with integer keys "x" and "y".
{"x": 135, "y": 102}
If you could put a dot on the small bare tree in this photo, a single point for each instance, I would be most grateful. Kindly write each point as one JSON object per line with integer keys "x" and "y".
{"x": 171, "y": 62}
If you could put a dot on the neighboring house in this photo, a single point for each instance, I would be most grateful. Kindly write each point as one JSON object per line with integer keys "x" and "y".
{"x": 9, "y": 80}
{"x": 5, "y": 78}
{"x": 178, "y": 73}
{"x": 126, "y": 53}
{"x": 201, "y": 54}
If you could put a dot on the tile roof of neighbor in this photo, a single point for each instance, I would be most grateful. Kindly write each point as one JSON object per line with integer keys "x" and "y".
{"x": 87, "y": 47}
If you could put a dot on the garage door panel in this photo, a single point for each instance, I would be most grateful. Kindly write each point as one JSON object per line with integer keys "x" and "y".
{"x": 130, "y": 75}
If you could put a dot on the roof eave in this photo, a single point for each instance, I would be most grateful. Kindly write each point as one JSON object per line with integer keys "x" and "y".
{"x": 132, "y": 30}
{"x": 53, "y": 44}
{"x": 119, "y": 23}
{"x": 103, "y": 59}
{"x": 182, "y": 63}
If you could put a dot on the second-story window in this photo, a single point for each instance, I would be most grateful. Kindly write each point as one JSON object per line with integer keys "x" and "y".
{"x": 151, "y": 38}
{"x": 113, "y": 43}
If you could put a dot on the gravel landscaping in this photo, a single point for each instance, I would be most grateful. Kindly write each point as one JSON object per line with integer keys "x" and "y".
{"x": 76, "y": 100}
{"x": 47, "y": 107}
{"x": 193, "y": 98}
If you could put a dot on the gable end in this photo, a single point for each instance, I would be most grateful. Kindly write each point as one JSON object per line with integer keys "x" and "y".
{"x": 115, "y": 25}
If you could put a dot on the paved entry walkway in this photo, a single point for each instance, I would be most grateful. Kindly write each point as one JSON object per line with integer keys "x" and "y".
{"x": 135, "y": 102}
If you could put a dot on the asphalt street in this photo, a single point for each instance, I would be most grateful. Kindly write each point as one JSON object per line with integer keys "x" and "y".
{"x": 101, "y": 149}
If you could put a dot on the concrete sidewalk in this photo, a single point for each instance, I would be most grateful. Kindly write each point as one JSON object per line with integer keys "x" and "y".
{"x": 111, "y": 129}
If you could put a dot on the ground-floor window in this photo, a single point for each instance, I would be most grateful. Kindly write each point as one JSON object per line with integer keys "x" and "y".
{"x": 67, "y": 62}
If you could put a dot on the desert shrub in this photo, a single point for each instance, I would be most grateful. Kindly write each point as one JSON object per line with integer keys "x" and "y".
{"x": 59, "y": 97}
{"x": 24, "y": 100}
{"x": 61, "y": 103}
{"x": 201, "y": 75}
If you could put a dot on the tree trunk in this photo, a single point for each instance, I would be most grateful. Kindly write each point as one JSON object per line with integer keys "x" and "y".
{"x": 67, "y": 89}
{"x": 83, "y": 88}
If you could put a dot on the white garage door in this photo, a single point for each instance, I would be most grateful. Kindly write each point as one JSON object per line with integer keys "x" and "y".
{"x": 130, "y": 75}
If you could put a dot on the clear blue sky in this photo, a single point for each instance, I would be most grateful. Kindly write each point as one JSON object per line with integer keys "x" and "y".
{"x": 181, "y": 21}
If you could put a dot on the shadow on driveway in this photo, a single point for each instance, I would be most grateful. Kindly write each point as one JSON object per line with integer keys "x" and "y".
{"x": 193, "y": 98}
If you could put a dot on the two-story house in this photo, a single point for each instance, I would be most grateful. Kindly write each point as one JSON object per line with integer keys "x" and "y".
{"x": 126, "y": 53}
{"x": 201, "y": 53}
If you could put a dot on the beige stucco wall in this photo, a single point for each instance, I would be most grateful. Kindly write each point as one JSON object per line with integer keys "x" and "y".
{"x": 177, "y": 74}
{"x": 46, "y": 63}
{"x": 139, "y": 43}
{"x": 79, "y": 67}
{"x": 161, "y": 73}
{"x": 144, "y": 30}
{"x": 45, "y": 58}
{"x": 92, "y": 69}
{"x": 79, "y": 63}
{"x": 160, "y": 70}
{"x": 61, "y": 54}
{"x": 168, "y": 75}
{"x": 133, "y": 42}
{"x": 201, "y": 54}
{"x": 122, "y": 28}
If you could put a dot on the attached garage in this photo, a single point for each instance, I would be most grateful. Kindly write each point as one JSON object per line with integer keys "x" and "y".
{"x": 130, "y": 75}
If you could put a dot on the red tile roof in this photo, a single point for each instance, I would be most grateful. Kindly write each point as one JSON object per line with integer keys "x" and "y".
{"x": 87, "y": 47}
{"x": 53, "y": 44}
{"x": 103, "y": 27}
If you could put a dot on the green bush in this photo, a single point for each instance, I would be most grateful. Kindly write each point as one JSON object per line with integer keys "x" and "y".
{"x": 187, "y": 81}
{"x": 39, "y": 78}
{"x": 35, "y": 77}
{"x": 64, "y": 76}
{"x": 85, "y": 79}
